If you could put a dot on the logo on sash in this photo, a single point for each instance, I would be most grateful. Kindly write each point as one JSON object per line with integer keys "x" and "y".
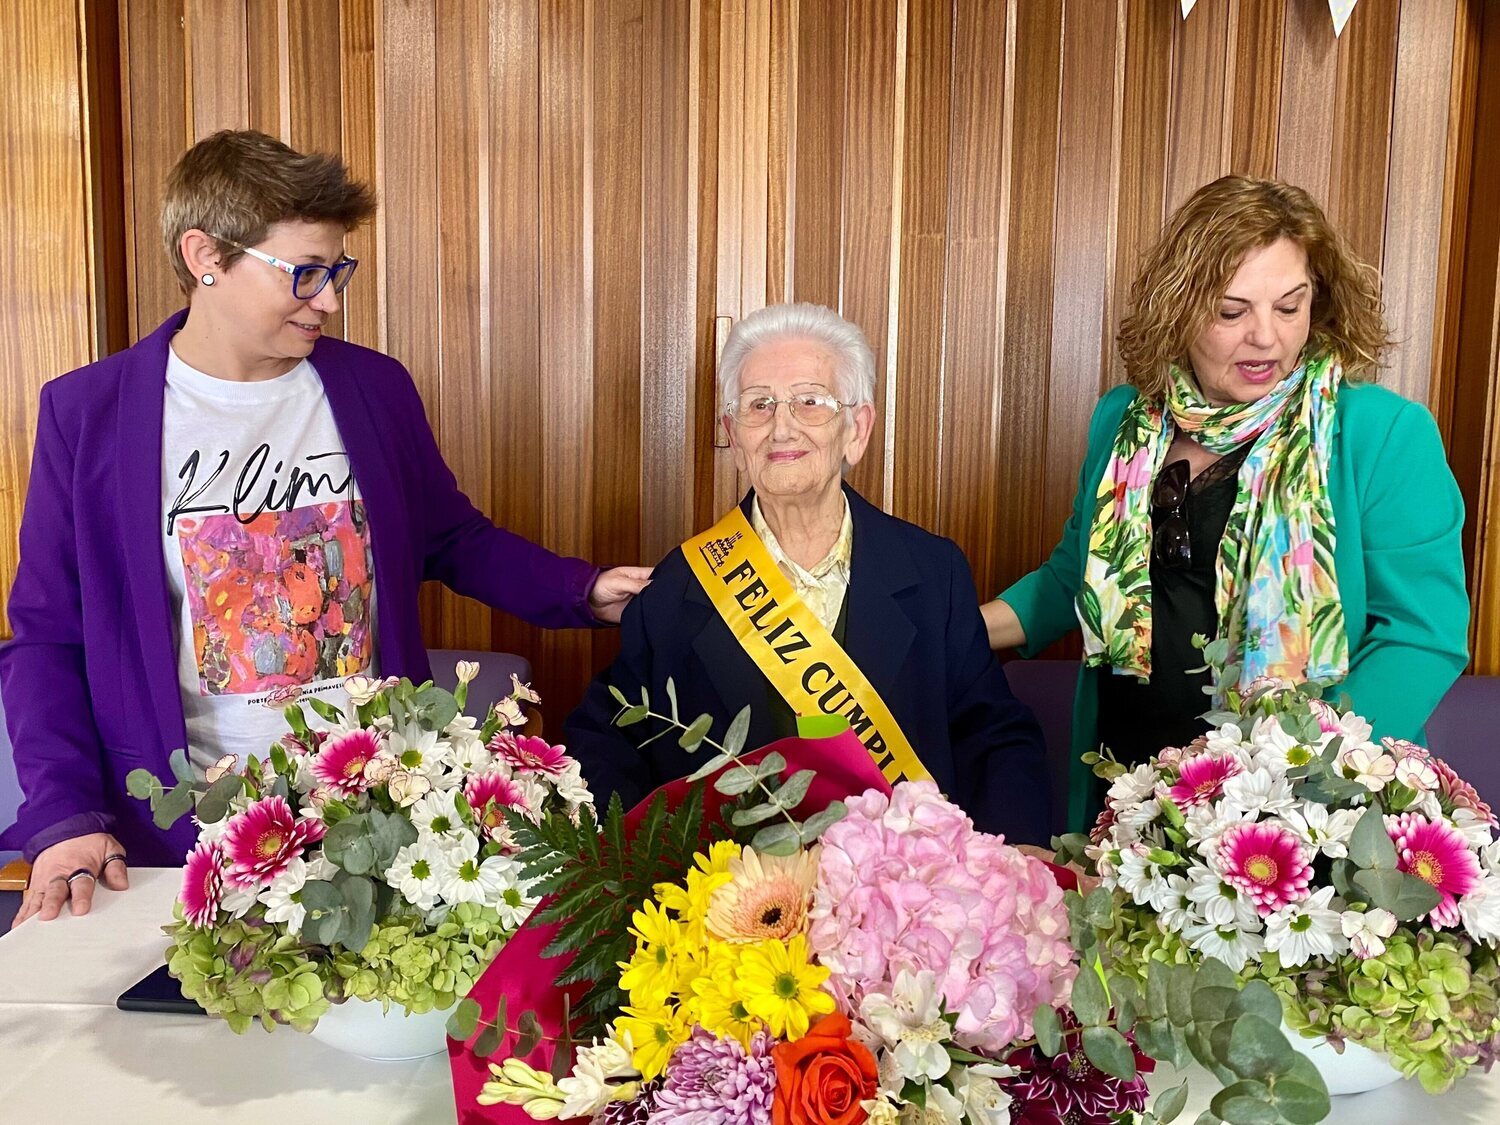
{"x": 791, "y": 647}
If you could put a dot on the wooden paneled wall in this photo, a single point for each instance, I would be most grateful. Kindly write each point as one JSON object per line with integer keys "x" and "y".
{"x": 579, "y": 195}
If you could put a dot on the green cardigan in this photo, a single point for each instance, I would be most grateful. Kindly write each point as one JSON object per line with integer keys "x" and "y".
{"x": 1398, "y": 517}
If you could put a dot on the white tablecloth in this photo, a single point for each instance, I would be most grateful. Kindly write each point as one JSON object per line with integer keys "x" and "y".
{"x": 67, "y": 1053}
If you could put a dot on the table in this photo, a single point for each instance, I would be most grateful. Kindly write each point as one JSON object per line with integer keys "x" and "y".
{"x": 66, "y": 1051}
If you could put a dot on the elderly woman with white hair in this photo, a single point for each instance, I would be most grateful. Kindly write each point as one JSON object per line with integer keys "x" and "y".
{"x": 806, "y": 599}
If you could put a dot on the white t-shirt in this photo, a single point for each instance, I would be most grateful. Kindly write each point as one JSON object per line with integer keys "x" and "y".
{"x": 268, "y": 555}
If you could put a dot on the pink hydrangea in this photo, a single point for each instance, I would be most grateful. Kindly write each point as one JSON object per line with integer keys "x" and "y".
{"x": 261, "y": 841}
{"x": 1201, "y": 779}
{"x": 906, "y": 882}
{"x": 1266, "y": 863}
{"x": 1436, "y": 853}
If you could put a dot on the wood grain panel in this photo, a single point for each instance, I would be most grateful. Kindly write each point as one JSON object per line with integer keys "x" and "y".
{"x": 924, "y": 236}
{"x": 1362, "y": 125}
{"x": 521, "y": 472}
{"x": 1309, "y": 84}
{"x": 1252, "y": 83}
{"x": 818, "y": 145}
{"x": 216, "y": 35}
{"x": 972, "y": 392}
{"x": 408, "y": 189}
{"x": 1033, "y": 87}
{"x": 1083, "y": 228}
{"x": 154, "y": 75}
{"x": 707, "y": 457}
{"x": 265, "y": 67}
{"x": 359, "y": 121}
{"x": 45, "y": 286}
{"x": 666, "y": 392}
{"x": 313, "y": 71}
{"x": 565, "y": 144}
{"x": 464, "y": 279}
{"x": 1199, "y": 139}
{"x": 869, "y": 186}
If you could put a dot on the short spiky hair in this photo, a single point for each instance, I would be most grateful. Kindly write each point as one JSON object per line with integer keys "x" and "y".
{"x": 1177, "y": 291}
{"x": 235, "y": 184}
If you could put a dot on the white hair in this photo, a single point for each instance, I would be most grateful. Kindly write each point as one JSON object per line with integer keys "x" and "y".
{"x": 853, "y": 364}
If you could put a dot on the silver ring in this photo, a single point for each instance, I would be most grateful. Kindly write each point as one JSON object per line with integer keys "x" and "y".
{"x": 80, "y": 873}
{"x": 113, "y": 857}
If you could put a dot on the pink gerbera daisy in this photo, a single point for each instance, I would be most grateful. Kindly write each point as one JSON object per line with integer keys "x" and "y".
{"x": 263, "y": 839}
{"x": 203, "y": 885}
{"x": 1267, "y": 864}
{"x": 1436, "y": 853}
{"x": 489, "y": 795}
{"x": 340, "y": 764}
{"x": 526, "y": 753}
{"x": 1202, "y": 779}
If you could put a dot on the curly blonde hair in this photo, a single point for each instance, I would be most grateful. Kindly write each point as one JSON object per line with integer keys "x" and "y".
{"x": 1177, "y": 292}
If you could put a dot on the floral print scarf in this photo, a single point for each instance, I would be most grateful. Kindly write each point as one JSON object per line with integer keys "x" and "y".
{"x": 1277, "y": 592}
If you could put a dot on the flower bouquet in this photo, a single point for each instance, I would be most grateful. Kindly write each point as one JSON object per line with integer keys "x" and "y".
{"x": 746, "y": 948}
{"x": 1360, "y": 880}
{"x": 368, "y": 858}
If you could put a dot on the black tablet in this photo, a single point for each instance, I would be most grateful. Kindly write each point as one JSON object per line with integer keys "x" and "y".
{"x": 159, "y": 992}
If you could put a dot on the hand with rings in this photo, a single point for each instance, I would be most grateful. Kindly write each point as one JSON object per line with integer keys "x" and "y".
{"x": 70, "y": 871}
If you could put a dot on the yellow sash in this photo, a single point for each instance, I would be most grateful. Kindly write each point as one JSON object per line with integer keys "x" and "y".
{"x": 790, "y": 645}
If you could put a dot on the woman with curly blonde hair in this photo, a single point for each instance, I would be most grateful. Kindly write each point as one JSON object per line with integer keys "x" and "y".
{"x": 1250, "y": 482}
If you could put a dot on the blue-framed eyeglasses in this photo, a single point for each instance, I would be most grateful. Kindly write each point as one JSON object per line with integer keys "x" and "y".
{"x": 307, "y": 280}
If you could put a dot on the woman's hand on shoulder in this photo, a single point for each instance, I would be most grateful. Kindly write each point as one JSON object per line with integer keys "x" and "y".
{"x": 614, "y": 588}
{"x": 69, "y": 871}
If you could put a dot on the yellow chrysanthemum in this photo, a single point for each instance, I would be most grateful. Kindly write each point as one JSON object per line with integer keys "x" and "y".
{"x": 651, "y": 975}
{"x": 654, "y": 1034}
{"x": 720, "y": 855}
{"x": 717, "y": 1006}
{"x": 654, "y": 926}
{"x": 779, "y": 985}
{"x": 766, "y": 897}
{"x": 691, "y": 902}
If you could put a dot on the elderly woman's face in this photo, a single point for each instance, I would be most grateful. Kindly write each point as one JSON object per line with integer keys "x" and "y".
{"x": 1260, "y": 328}
{"x": 785, "y": 457}
{"x": 274, "y": 323}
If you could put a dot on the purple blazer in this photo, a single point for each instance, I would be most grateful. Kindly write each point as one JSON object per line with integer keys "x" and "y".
{"x": 90, "y": 680}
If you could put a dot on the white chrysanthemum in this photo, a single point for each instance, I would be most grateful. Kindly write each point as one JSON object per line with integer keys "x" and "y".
{"x": 1217, "y": 902}
{"x": 419, "y": 751}
{"x": 1302, "y": 931}
{"x": 1134, "y": 818}
{"x": 1177, "y": 909}
{"x": 1232, "y": 946}
{"x": 1135, "y": 786}
{"x": 237, "y": 901}
{"x": 1258, "y": 791}
{"x": 282, "y": 899}
{"x": 571, "y": 787}
{"x": 481, "y": 881}
{"x": 1480, "y": 909}
{"x": 1320, "y": 829}
{"x": 436, "y": 814}
{"x": 1489, "y": 856}
{"x": 1228, "y": 739}
{"x": 421, "y": 871}
{"x": 1476, "y": 831}
{"x": 1141, "y": 879}
{"x": 466, "y": 750}
{"x": 1276, "y": 750}
{"x": 1206, "y": 824}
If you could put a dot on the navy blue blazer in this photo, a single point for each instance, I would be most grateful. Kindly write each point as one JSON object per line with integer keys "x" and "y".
{"x": 914, "y": 629}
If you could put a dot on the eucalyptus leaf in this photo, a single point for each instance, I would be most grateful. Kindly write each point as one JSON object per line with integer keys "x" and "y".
{"x": 791, "y": 791}
{"x": 1048, "y": 1030}
{"x": 754, "y": 815}
{"x": 717, "y": 762}
{"x": 1370, "y": 844}
{"x": 1257, "y": 1048}
{"x": 1301, "y": 1096}
{"x": 1259, "y": 999}
{"x": 739, "y": 731}
{"x": 464, "y": 1021}
{"x": 1157, "y": 1040}
{"x": 672, "y": 700}
{"x": 1099, "y": 907}
{"x": 632, "y": 715}
{"x": 142, "y": 784}
{"x": 1107, "y": 1049}
{"x": 1156, "y": 989}
{"x": 1403, "y": 894}
{"x": 530, "y": 1030}
{"x": 815, "y": 825}
{"x": 777, "y": 839}
{"x": 490, "y": 1037}
{"x": 619, "y": 696}
{"x": 172, "y": 805}
{"x": 741, "y": 778}
{"x": 1245, "y": 1103}
{"x": 1089, "y": 1002}
{"x": 213, "y": 806}
{"x": 1180, "y": 995}
{"x": 1170, "y": 1104}
{"x": 182, "y": 769}
{"x": 697, "y": 731}
{"x": 1211, "y": 1003}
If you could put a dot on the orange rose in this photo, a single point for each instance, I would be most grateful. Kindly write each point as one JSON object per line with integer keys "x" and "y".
{"x": 822, "y": 1077}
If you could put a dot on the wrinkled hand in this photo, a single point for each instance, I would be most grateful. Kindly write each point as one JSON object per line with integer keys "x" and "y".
{"x": 614, "y": 588}
{"x": 49, "y": 887}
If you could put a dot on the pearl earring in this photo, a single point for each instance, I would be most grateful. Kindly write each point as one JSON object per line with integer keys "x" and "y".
{"x": 207, "y": 279}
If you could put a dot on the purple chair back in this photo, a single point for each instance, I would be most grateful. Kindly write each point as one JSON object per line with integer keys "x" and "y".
{"x": 1462, "y": 732}
{"x": 1047, "y": 687}
{"x": 493, "y": 681}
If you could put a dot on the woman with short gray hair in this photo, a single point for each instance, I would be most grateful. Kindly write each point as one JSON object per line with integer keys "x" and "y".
{"x": 807, "y": 599}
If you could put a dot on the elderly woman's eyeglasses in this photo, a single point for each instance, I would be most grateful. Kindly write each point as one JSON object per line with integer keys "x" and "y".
{"x": 808, "y": 407}
{"x": 307, "y": 280}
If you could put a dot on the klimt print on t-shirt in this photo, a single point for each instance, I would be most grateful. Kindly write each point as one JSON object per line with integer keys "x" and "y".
{"x": 279, "y": 600}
